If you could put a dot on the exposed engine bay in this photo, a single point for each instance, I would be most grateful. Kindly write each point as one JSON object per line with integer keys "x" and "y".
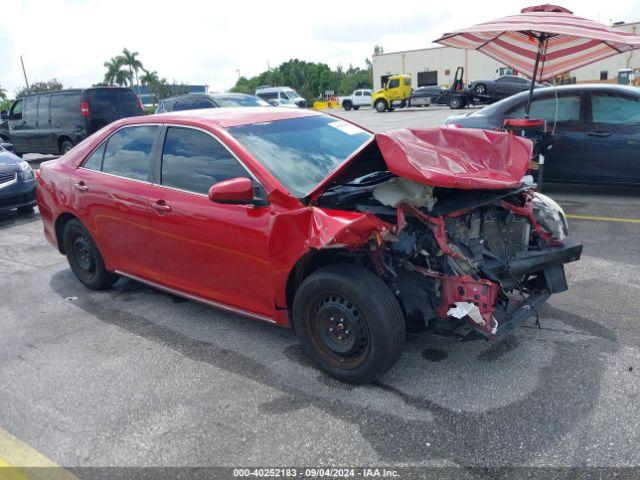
{"x": 481, "y": 258}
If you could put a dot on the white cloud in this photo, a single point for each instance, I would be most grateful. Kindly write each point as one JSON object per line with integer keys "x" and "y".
{"x": 207, "y": 41}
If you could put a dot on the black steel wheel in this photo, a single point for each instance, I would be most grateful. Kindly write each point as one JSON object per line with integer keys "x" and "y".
{"x": 84, "y": 258}
{"x": 347, "y": 105}
{"x": 349, "y": 322}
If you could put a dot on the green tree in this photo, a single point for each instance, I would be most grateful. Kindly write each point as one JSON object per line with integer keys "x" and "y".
{"x": 113, "y": 66}
{"x": 3, "y": 93}
{"x": 37, "y": 87}
{"x": 130, "y": 59}
{"x": 310, "y": 79}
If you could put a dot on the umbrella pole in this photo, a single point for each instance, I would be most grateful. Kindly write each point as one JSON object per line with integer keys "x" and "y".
{"x": 541, "y": 41}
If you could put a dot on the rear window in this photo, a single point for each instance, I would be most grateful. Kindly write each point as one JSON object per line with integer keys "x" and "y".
{"x": 241, "y": 101}
{"x": 109, "y": 104}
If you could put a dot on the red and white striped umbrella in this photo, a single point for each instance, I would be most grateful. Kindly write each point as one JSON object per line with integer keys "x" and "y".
{"x": 543, "y": 41}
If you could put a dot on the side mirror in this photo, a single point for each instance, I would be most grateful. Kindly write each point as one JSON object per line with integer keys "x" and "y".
{"x": 233, "y": 191}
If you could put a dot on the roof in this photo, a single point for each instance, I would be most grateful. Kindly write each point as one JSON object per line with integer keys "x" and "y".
{"x": 223, "y": 117}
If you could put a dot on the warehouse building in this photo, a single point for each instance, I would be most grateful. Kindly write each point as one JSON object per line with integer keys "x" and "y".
{"x": 437, "y": 65}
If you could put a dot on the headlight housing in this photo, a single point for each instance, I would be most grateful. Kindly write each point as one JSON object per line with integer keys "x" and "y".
{"x": 26, "y": 171}
{"x": 550, "y": 216}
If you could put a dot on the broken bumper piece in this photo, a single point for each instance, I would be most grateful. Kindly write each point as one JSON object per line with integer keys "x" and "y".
{"x": 475, "y": 300}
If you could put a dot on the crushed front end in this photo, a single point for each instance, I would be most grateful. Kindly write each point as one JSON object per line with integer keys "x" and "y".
{"x": 487, "y": 258}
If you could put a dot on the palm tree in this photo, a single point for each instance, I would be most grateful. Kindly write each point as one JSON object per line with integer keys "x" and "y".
{"x": 113, "y": 66}
{"x": 130, "y": 59}
{"x": 122, "y": 77}
{"x": 153, "y": 81}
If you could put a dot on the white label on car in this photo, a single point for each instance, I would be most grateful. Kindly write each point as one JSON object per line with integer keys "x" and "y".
{"x": 346, "y": 127}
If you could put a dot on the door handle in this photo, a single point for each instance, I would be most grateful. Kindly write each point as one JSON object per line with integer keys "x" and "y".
{"x": 599, "y": 134}
{"x": 81, "y": 186}
{"x": 161, "y": 207}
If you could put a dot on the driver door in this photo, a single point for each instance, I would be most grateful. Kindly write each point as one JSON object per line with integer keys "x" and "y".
{"x": 215, "y": 251}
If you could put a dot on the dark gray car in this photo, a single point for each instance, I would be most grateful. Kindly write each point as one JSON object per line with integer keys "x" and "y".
{"x": 17, "y": 183}
{"x": 193, "y": 101}
{"x": 596, "y": 130}
{"x": 500, "y": 87}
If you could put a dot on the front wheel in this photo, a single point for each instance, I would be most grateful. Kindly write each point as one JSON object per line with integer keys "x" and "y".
{"x": 84, "y": 258}
{"x": 380, "y": 105}
{"x": 349, "y": 322}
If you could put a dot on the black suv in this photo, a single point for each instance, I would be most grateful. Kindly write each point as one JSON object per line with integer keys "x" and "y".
{"x": 53, "y": 122}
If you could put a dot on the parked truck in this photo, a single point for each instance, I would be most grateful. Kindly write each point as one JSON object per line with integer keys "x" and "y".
{"x": 359, "y": 98}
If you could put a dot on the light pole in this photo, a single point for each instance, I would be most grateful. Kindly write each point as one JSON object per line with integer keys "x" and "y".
{"x": 24, "y": 73}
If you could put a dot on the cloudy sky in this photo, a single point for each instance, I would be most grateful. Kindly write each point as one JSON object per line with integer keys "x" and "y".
{"x": 209, "y": 42}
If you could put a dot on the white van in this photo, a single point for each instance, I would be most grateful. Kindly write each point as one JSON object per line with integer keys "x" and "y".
{"x": 281, "y": 96}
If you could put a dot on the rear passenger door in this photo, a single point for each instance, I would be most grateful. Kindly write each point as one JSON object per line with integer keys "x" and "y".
{"x": 612, "y": 152}
{"x": 110, "y": 190}
{"x": 564, "y": 115}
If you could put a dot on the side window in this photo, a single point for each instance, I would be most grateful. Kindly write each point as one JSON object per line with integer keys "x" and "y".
{"x": 567, "y": 106}
{"x": 395, "y": 83}
{"x": 184, "y": 105}
{"x": 203, "y": 103}
{"x": 268, "y": 95}
{"x": 615, "y": 109}
{"x": 94, "y": 161}
{"x": 358, "y": 93}
{"x": 284, "y": 95}
{"x": 43, "y": 109}
{"x": 128, "y": 152}
{"x": 65, "y": 108}
{"x": 194, "y": 161}
{"x": 16, "y": 110}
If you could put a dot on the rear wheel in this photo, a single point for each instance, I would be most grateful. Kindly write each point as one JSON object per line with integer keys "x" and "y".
{"x": 456, "y": 102}
{"x": 349, "y": 322}
{"x": 356, "y": 107}
{"x": 65, "y": 146}
{"x": 84, "y": 258}
{"x": 380, "y": 105}
{"x": 346, "y": 105}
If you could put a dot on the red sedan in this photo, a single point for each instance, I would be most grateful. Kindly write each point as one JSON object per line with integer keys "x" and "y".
{"x": 307, "y": 221}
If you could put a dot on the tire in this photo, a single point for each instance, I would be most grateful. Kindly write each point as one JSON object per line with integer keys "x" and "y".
{"x": 349, "y": 322}
{"x": 356, "y": 107}
{"x": 456, "y": 102}
{"x": 380, "y": 105}
{"x": 480, "y": 89}
{"x": 346, "y": 105}
{"x": 65, "y": 146}
{"x": 26, "y": 210}
{"x": 84, "y": 258}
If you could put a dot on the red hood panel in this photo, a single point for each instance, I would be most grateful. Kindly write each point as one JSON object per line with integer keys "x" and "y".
{"x": 456, "y": 157}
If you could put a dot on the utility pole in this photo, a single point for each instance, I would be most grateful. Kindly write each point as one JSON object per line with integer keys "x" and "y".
{"x": 24, "y": 72}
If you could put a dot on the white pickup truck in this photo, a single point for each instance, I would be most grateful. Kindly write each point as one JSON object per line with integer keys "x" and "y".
{"x": 359, "y": 98}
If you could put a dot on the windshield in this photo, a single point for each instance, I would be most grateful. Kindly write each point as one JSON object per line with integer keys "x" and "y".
{"x": 301, "y": 152}
{"x": 241, "y": 101}
{"x": 292, "y": 94}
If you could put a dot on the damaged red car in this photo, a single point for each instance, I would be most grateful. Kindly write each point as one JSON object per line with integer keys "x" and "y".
{"x": 310, "y": 222}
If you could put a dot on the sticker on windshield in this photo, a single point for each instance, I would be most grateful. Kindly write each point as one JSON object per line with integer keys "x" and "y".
{"x": 346, "y": 127}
